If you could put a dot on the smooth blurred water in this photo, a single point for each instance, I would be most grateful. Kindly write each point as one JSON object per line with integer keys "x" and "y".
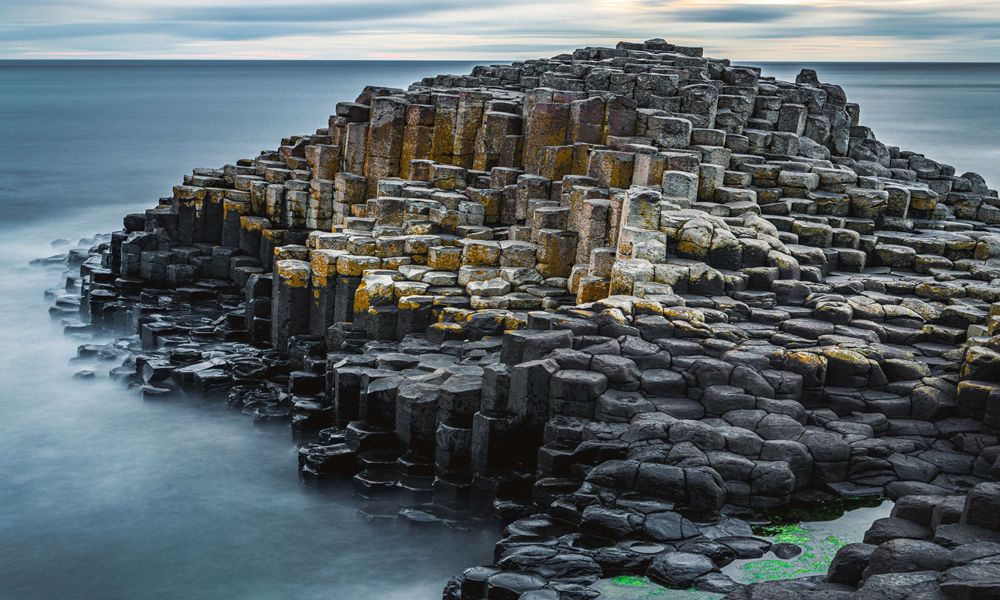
{"x": 81, "y": 134}
{"x": 105, "y": 496}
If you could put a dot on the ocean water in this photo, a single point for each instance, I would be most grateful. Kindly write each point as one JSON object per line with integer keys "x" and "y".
{"x": 105, "y": 496}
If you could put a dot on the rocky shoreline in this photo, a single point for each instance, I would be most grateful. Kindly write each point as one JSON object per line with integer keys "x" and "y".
{"x": 622, "y": 301}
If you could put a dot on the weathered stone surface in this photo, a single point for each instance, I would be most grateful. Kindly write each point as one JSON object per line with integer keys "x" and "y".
{"x": 624, "y": 291}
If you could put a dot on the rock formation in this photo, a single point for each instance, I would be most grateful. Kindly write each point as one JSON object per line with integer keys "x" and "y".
{"x": 622, "y": 299}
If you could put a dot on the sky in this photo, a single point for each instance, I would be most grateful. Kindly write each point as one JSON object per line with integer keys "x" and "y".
{"x": 762, "y": 30}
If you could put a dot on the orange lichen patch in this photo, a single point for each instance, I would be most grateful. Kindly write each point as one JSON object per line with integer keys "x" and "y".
{"x": 354, "y": 266}
{"x": 255, "y": 224}
{"x": 294, "y": 273}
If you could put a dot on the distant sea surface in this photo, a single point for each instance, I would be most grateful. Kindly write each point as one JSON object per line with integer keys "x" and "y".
{"x": 105, "y": 496}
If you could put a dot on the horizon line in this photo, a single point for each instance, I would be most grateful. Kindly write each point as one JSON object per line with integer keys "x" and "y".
{"x": 501, "y": 60}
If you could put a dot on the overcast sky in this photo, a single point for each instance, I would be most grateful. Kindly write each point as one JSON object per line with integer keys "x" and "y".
{"x": 869, "y": 30}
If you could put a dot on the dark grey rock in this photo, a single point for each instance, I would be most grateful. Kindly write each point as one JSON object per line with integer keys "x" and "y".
{"x": 746, "y": 547}
{"x": 720, "y": 399}
{"x": 720, "y": 554}
{"x": 704, "y": 489}
{"x": 717, "y": 583}
{"x": 890, "y": 528}
{"x": 619, "y": 370}
{"x": 806, "y": 588}
{"x": 969, "y": 552}
{"x": 956, "y": 534}
{"x": 610, "y": 523}
{"x": 897, "y": 586}
{"x": 908, "y": 556}
{"x": 918, "y": 509}
{"x": 849, "y": 563}
{"x": 898, "y": 489}
{"x": 785, "y": 551}
{"x": 662, "y": 382}
{"x": 977, "y": 580}
{"x": 679, "y": 569}
{"x": 911, "y": 468}
{"x": 702, "y": 435}
{"x": 668, "y": 527}
{"x": 982, "y": 506}
{"x": 511, "y": 586}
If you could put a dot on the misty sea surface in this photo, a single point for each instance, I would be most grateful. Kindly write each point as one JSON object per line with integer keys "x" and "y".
{"x": 103, "y": 495}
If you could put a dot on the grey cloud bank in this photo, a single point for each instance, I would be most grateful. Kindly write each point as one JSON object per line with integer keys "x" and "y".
{"x": 966, "y": 30}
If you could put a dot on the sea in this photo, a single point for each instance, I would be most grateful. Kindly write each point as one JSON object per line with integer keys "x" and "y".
{"x": 104, "y": 495}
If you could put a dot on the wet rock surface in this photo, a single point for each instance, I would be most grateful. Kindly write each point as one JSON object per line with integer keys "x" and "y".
{"x": 622, "y": 301}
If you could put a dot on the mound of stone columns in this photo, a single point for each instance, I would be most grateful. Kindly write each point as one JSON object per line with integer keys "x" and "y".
{"x": 622, "y": 300}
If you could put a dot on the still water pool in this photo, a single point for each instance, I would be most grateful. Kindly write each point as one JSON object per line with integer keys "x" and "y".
{"x": 820, "y": 530}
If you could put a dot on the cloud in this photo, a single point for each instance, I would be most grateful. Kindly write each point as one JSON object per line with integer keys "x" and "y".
{"x": 925, "y": 24}
{"x": 308, "y": 13}
{"x": 178, "y": 30}
{"x": 747, "y": 13}
{"x": 500, "y": 30}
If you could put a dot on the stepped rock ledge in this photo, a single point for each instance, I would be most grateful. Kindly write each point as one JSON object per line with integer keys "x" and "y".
{"x": 619, "y": 301}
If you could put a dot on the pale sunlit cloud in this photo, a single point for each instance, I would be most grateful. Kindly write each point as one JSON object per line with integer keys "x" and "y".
{"x": 835, "y": 30}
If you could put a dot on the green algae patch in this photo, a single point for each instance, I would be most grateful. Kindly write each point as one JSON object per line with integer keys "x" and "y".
{"x": 819, "y": 537}
{"x": 629, "y": 580}
{"x": 637, "y": 587}
{"x": 792, "y": 533}
{"x": 815, "y": 559}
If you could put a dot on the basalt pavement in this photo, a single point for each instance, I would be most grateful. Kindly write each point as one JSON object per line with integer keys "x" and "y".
{"x": 622, "y": 301}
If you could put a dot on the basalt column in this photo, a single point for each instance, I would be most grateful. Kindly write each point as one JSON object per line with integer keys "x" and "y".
{"x": 290, "y": 301}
